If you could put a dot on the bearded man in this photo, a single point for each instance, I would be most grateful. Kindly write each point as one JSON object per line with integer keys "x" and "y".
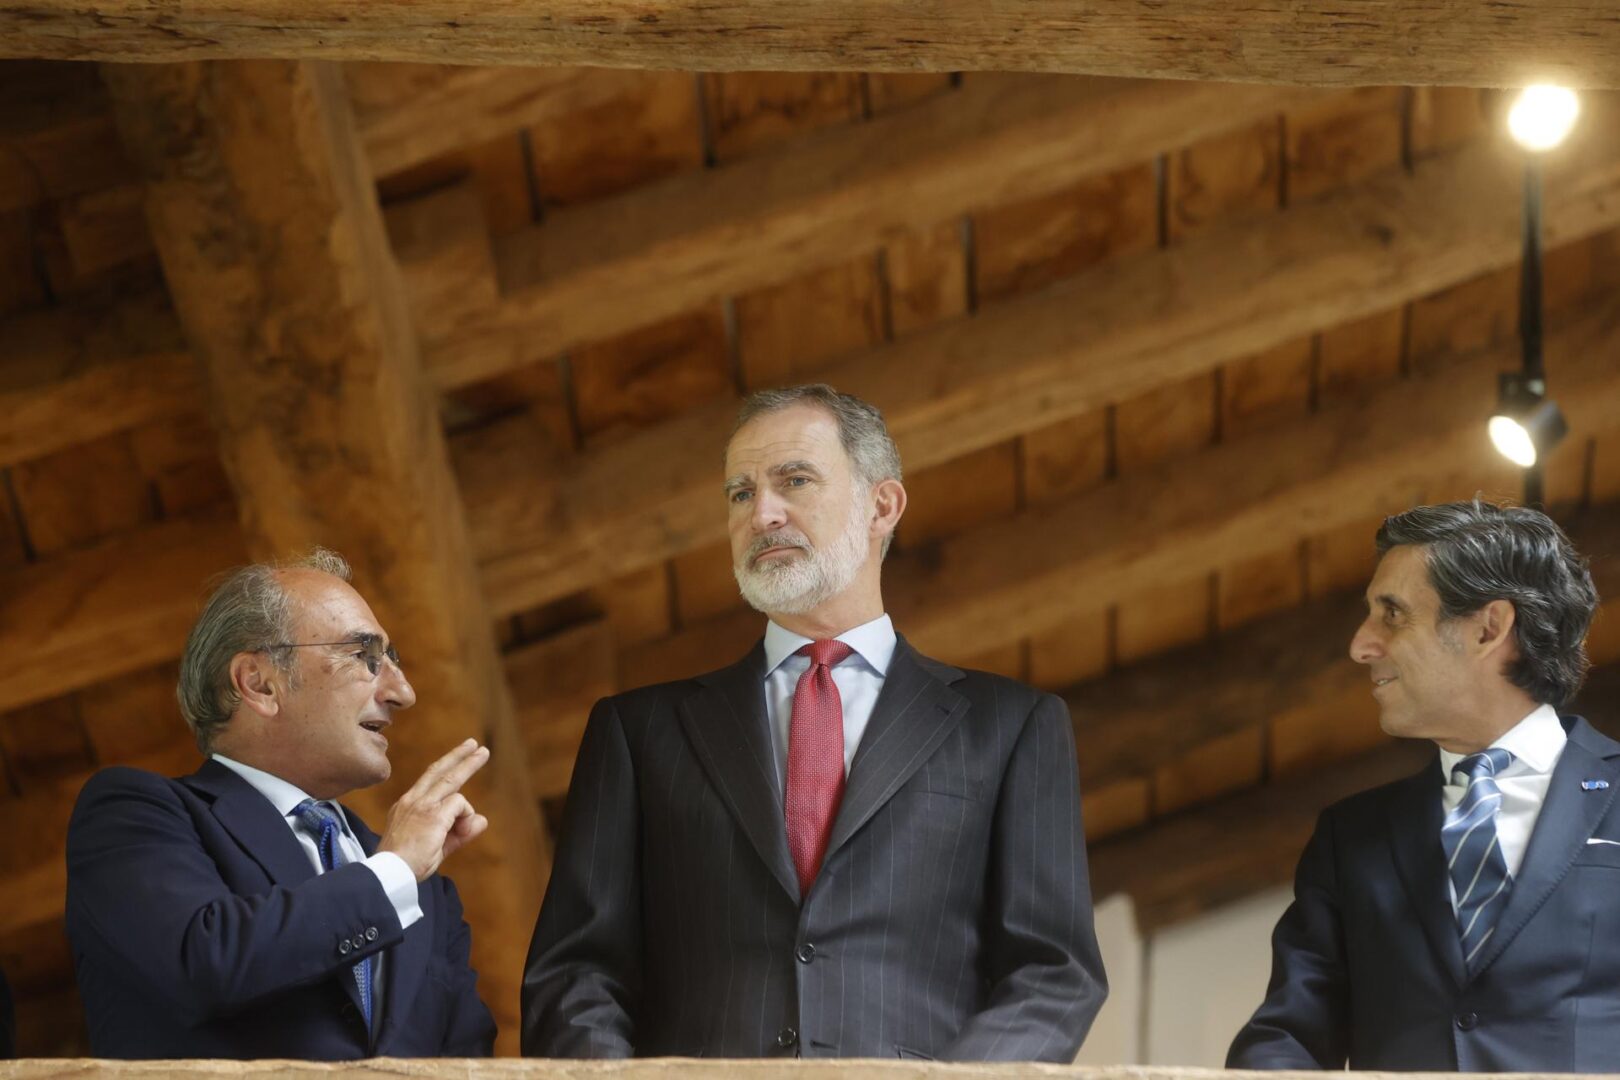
{"x": 835, "y": 847}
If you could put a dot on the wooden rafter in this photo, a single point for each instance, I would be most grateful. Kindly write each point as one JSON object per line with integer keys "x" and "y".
{"x": 272, "y": 243}
{"x": 1003, "y": 581}
{"x": 1228, "y": 292}
{"x": 1467, "y": 42}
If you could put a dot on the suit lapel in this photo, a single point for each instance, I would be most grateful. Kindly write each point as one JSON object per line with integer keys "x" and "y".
{"x": 1569, "y": 815}
{"x": 915, "y": 711}
{"x": 407, "y": 961}
{"x": 248, "y": 816}
{"x": 726, "y": 724}
{"x": 1414, "y": 833}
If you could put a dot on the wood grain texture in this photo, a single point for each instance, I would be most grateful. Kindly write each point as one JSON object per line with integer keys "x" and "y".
{"x": 1469, "y": 42}
{"x": 1102, "y": 336}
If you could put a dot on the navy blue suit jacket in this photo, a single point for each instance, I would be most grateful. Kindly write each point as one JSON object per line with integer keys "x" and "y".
{"x": 1368, "y": 970}
{"x": 200, "y": 928}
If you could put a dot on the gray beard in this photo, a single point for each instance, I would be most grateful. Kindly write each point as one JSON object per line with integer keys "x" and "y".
{"x": 804, "y": 583}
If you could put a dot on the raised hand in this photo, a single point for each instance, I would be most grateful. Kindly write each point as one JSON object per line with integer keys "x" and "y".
{"x": 433, "y": 820}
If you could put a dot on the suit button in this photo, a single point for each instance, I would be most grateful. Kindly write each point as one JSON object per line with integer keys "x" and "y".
{"x": 805, "y": 953}
{"x": 787, "y": 1038}
{"x": 371, "y": 933}
{"x": 359, "y": 942}
{"x": 1468, "y": 1021}
{"x": 344, "y": 947}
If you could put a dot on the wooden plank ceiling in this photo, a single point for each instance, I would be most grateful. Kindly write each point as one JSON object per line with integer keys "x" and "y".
{"x": 1159, "y": 355}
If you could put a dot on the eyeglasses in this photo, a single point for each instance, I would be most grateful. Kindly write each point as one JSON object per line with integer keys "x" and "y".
{"x": 372, "y": 650}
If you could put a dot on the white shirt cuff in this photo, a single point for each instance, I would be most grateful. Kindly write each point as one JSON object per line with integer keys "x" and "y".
{"x": 400, "y": 885}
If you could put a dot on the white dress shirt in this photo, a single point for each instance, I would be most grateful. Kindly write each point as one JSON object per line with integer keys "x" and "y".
{"x": 1536, "y": 743}
{"x": 859, "y": 680}
{"x": 392, "y": 872}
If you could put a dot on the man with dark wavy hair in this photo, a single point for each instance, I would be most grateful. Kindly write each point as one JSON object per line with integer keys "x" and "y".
{"x": 1464, "y": 918}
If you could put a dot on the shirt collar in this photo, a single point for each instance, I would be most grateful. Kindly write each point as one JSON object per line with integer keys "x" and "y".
{"x": 282, "y": 795}
{"x": 1535, "y": 743}
{"x": 873, "y": 642}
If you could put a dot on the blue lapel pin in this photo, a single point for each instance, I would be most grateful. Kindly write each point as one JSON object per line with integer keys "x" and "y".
{"x": 1594, "y": 785}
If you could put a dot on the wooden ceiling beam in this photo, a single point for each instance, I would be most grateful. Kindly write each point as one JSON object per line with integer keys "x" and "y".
{"x": 606, "y": 267}
{"x": 1099, "y": 337}
{"x": 83, "y": 371}
{"x": 74, "y": 620}
{"x": 265, "y": 218}
{"x": 1123, "y": 328}
{"x": 1417, "y": 42}
{"x": 409, "y": 113}
{"x": 1001, "y": 582}
{"x": 1223, "y": 851}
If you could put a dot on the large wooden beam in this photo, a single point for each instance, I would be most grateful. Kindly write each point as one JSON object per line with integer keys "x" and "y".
{"x": 408, "y": 113}
{"x": 605, "y": 267}
{"x": 1001, "y": 582}
{"x": 84, "y": 371}
{"x": 1469, "y": 42}
{"x": 265, "y": 218}
{"x": 1229, "y": 292}
{"x": 1102, "y": 336}
{"x": 1232, "y": 848}
{"x": 95, "y": 614}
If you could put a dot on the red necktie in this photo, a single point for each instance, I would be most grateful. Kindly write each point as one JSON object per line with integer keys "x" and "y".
{"x": 815, "y": 772}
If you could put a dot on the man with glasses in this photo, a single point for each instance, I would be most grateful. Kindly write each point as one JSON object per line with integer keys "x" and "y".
{"x": 240, "y": 912}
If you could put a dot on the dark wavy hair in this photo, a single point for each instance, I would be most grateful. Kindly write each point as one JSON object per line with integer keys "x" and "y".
{"x": 1477, "y": 552}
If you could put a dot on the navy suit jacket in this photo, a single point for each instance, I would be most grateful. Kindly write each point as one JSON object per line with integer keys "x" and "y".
{"x": 200, "y": 928}
{"x": 951, "y": 917}
{"x": 1368, "y": 969}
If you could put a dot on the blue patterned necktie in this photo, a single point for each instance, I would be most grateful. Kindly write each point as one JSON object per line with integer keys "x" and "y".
{"x": 1473, "y": 857}
{"x": 322, "y": 823}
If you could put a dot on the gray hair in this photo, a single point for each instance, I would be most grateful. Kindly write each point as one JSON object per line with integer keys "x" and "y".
{"x": 1477, "y": 552}
{"x": 861, "y": 429}
{"x": 247, "y": 611}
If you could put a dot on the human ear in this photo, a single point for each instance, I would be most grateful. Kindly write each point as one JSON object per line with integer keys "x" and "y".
{"x": 253, "y": 677}
{"x": 889, "y": 499}
{"x": 1493, "y": 625}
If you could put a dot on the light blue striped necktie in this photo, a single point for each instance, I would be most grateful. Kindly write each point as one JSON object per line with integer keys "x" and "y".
{"x": 322, "y": 823}
{"x": 1473, "y": 856}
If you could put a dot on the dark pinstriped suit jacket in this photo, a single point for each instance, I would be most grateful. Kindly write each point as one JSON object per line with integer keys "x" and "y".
{"x": 951, "y": 918}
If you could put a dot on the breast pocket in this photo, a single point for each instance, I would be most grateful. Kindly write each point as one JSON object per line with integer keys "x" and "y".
{"x": 1599, "y": 854}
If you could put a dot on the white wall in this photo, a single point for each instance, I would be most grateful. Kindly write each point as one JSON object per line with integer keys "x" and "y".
{"x": 1116, "y": 1037}
{"x": 1179, "y": 997}
{"x": 1206, "y": 976}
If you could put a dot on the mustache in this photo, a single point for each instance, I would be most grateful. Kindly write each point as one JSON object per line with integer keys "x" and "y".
{"x": 780, "y": 538}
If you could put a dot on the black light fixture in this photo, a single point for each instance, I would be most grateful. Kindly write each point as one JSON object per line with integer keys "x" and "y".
{"x": 1528, "y": 423}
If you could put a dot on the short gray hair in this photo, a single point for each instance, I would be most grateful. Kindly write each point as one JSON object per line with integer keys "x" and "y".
{"x": 1476, "y": 552}
{"x": 247, "y": 611}
{"x": 861, "y": 429}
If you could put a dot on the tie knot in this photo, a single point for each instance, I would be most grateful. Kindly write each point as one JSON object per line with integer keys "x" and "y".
{"x": 317, "y": 817}
{"x": 1485, "y": 763}
{"x": 829, "y": 653}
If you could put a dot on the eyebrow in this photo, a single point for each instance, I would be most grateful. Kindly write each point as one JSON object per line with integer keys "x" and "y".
{"x": 1390, "y": 602}
{"x": 787, "y": 468}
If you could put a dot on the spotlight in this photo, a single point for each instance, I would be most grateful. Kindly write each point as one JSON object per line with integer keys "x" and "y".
{"x": 1527, "y": 424}
{"x": 1542, "y": 116}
